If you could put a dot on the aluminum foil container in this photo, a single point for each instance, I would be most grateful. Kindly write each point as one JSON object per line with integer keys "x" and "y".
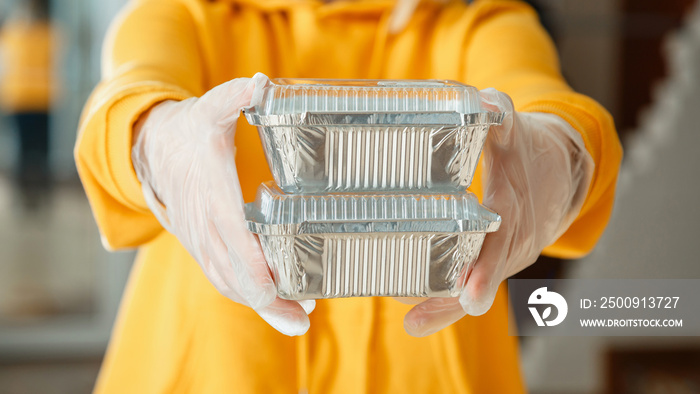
{"x": 323, "y": 136}
{"x": 357, "y": 245}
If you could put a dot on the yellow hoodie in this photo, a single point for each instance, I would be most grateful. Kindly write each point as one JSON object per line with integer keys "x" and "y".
{"x": 175, "y": 332}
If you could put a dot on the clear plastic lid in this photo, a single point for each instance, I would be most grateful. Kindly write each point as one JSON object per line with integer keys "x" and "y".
{"x": 290, "y": 96}
{"x": 276, "y": 213}
{"x": 421, "y": 99}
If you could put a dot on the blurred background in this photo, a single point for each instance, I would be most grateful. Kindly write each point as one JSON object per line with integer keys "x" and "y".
{"x": 59, "y": 290}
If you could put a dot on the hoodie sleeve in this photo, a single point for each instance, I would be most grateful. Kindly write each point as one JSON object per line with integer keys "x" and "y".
{"x": 151, "y": 54}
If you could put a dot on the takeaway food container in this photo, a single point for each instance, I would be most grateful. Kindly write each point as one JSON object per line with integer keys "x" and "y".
{"x": 356, "y": 245}
{"x": 324, "y": 136}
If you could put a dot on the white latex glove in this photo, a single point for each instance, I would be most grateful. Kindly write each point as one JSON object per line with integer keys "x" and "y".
{"x": 536, "y": 176}
{"x": 183, "y": 155}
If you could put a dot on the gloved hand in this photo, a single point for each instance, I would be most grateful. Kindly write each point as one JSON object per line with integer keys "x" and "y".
{"x": 183, "y": 154}
{"x": 536, "y": 176}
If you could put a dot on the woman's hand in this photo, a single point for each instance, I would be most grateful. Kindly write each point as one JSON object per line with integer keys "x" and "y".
{"x": 536, "y": 176}
{"x": 183, "y": 154}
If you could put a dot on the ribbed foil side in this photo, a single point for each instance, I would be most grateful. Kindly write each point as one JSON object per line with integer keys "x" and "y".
{"x": 376, "y": 266}
{"x": 397, "y": 265}
{"x": 322, "y": 159}
{"x": 393, "y": 157}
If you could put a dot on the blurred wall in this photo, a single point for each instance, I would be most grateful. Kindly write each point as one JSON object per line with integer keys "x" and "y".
{"x": 63, "y": 234}
{"x": 653, "y": 232}
{"x": 83, "y": 23}
{"x": 587, "y": 36}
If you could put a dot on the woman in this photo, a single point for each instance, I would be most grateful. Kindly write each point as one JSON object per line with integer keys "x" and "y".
{"x": 26, "y": 87}
{"x": 156, "y": 151}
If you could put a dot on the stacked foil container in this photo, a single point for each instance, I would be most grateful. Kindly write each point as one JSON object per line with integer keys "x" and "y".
{"x": 370, "y": 196}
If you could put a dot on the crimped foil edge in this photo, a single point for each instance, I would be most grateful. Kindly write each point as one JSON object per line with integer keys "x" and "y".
{"x": 375, "y": 118}
{"x": 446, "y": 226}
